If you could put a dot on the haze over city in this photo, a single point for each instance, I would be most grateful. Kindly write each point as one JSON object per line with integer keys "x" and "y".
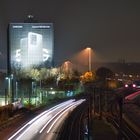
{"x": 110, "y": 28}
{"x": 69, "y": 70}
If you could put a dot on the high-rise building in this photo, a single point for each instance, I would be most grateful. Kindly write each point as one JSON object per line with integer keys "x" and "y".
{"x": 30, "y": 44}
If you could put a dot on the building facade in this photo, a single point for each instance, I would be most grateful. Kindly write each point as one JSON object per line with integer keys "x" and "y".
{"x": 30, "y": 45}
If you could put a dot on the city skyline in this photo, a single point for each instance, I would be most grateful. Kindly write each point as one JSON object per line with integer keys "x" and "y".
{"x": 110, "y": 28}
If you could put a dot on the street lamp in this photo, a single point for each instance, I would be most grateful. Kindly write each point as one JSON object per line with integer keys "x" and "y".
{"x": 16, "y": 96}
{"x": 89, "y": 59}
{"x": 67, "y": 68}
{"x": 9, "y": 90}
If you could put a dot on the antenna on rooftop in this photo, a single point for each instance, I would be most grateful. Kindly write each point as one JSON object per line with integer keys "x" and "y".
{"x": 30, "y": 16}
{"x": 30, "y": 19}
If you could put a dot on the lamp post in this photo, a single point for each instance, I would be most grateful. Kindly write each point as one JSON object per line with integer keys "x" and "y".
{"x": 16, "y": 96}
{"x": 89, "y": 59}
{"x": 9, "y": 90}
{"x": 89, "y": 95}
{"x": 66, "y": 67}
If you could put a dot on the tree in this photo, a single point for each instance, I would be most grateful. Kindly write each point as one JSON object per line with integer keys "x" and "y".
{"x": 88, "y": 77}
{"x": 43, "y": 73}
{"x": 34, "y": 74}
{"x": 102, "y": 73}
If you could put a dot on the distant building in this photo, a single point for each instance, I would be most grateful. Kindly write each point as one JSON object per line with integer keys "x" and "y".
{"x": 30, "y": 45}
{"x": 120, "y": 67}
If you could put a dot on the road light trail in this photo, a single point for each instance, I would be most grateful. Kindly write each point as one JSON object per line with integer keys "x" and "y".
{"x": 42, "y": 116}
{"x": 66, "y": 110}
{"x": 53, "y": 118}
{"x": 61, "y": 112}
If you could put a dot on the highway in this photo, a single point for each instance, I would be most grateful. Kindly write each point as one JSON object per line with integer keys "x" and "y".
{"x": 43, "y": 126}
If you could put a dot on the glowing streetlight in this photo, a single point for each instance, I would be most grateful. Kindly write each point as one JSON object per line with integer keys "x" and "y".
{"x": 9, "y": 90}
{"x": 89, "y": 58}
{"x": 67, "y": 66}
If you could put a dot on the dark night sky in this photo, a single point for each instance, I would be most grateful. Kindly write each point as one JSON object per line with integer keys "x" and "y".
{"x": 110, "y": 27}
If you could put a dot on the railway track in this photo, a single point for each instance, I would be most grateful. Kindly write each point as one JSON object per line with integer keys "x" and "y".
{"x": 73, "y": 128}
{"x": 126, "y": 132}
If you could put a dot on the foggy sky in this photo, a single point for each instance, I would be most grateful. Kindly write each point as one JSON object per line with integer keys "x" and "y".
{"x": 110, "y": 27}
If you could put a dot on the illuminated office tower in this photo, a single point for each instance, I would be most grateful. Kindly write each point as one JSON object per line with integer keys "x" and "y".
{"x": 30, "y": 44}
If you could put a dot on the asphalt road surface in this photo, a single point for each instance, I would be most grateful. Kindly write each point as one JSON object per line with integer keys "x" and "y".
{"x": 46, "y": 125}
